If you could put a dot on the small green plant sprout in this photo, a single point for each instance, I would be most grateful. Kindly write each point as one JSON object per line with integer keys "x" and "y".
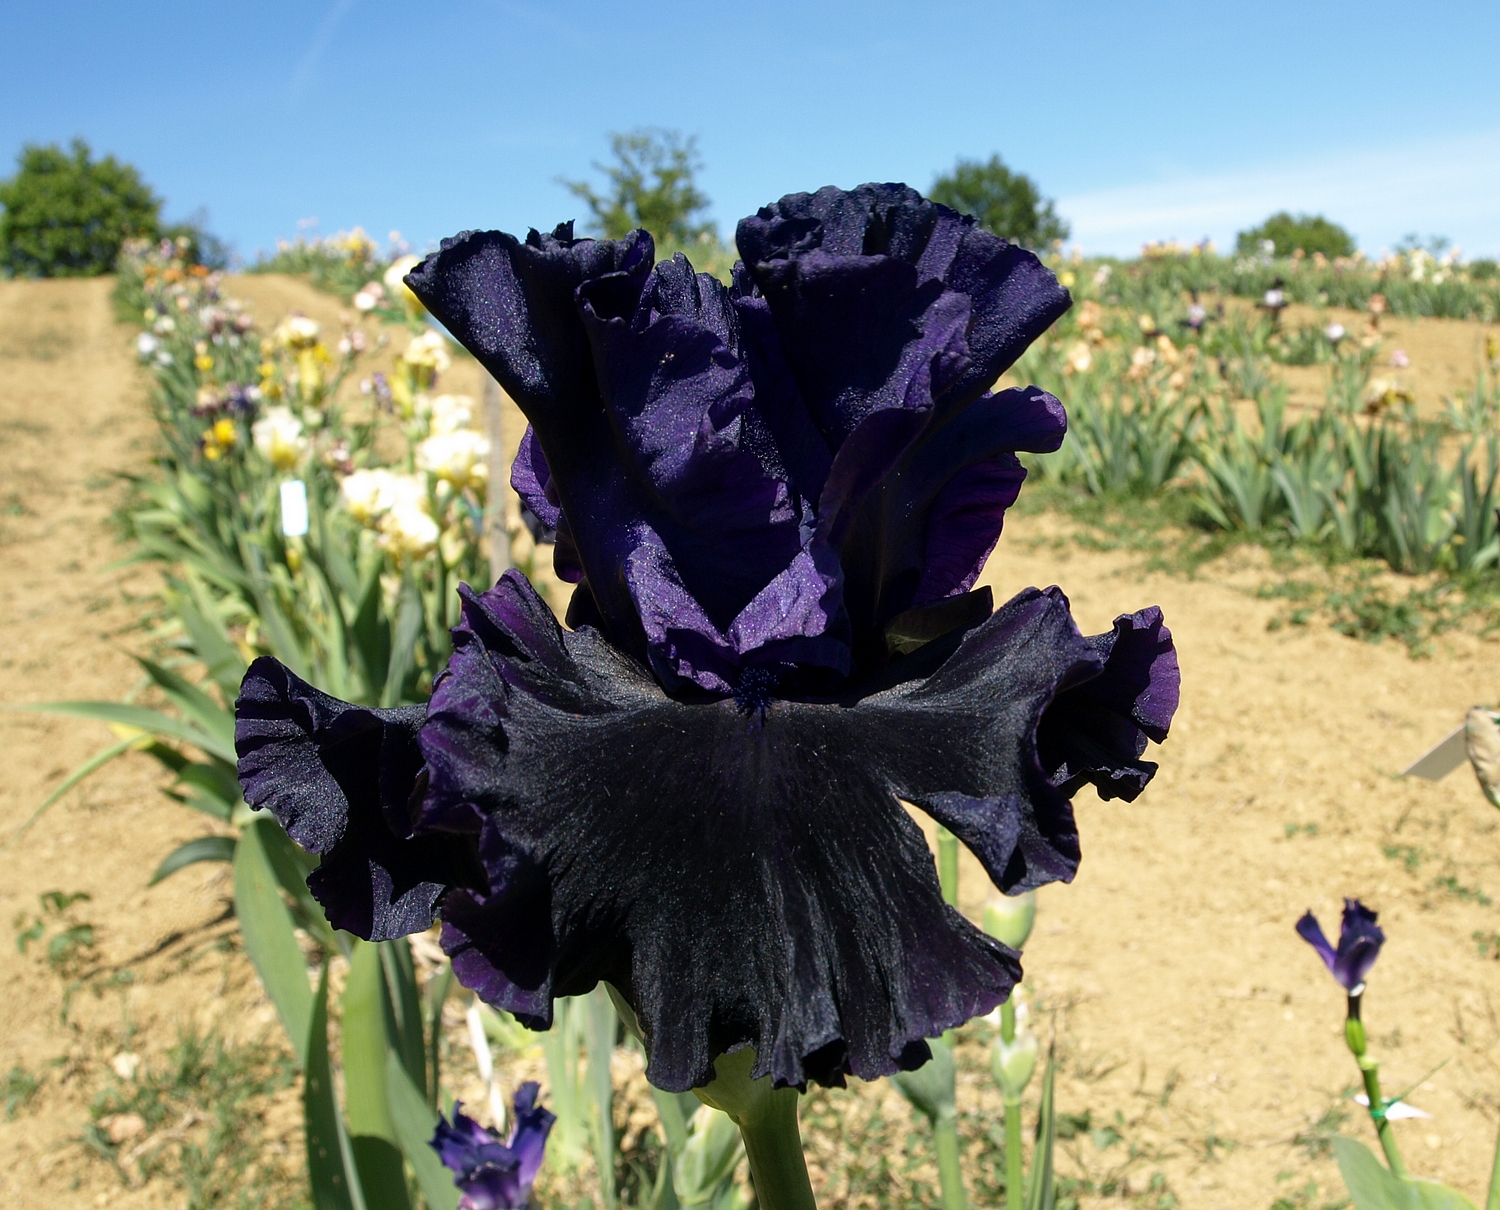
{"x": 20, "y": 1087}
{"x": 68, "y": 940}
{"x": 1371, "y": 1185}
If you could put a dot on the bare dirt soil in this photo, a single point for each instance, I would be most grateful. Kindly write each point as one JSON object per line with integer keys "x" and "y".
{"x": 1198, "y": 1034}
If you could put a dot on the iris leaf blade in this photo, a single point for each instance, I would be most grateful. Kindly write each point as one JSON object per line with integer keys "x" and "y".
{"x": 205, "y": 848}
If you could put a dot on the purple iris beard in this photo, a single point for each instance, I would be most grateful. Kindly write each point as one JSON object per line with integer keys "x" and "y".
{"x": 775, "y": 499}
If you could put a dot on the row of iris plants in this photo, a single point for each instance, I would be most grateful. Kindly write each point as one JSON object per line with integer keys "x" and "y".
{"x": 1172, "y": 398}
{"x": 1413, "y": 282}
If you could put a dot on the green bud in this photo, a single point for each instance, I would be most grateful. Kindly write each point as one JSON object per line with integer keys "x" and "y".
{"x": 1011, "y": 1063}
{"x": 1354, "y": 1035}
{"x": 1009, "y": 918}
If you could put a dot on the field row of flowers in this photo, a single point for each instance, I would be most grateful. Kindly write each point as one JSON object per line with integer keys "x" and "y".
{"x": 324, "y": 524}
{"x": 1182, "y": 394}
{"x": 1413, "y": 283}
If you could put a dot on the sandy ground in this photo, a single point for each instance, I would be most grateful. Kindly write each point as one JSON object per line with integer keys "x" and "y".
{"x": 1189, "y": 1017}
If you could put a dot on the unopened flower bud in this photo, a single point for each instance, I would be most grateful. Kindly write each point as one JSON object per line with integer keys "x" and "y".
{"x": 1009, "y": 918}
{"x": 1011, "y": 1063}
{"x": 1482, "y": 739}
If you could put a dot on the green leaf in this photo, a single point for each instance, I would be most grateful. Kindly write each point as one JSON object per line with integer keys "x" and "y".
{"x": 707, "y": 1162}
{"x": 406, "y": 1007}
{"x": 674, "y": 1109}
{"x": 291, "y": 867}
{"x": 433, "y": 998}
{"x": 211, "y": 644}
{"x": 1041, "y": 1185}
{"x": 192, "y": 701}
{"x": 408, "y": 629}
{"x": 266, "y": 926}
{"x": 371, "y": 633}
{"x": 95, "y": 762}
{"x": 220, "y": 788}
{"x": 599, "y": 1041}
{"x": 415, "y": 1122}
{"x": 330, "y": 1159}
{"x": 1373, "y": 1186}
{"x": 142, "y": 718}
{"x": 205, "y": 848}
{"x": 368, "y": 1038}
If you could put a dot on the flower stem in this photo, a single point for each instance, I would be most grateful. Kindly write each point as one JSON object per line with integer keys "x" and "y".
{"x": 948, "y": 865}
{"x": 767, "y": 1119}
{"x": 950, "y": 1177}
{"x": 1371, "y": 1072}
{"x": 1014, "y": 1187}
{"x": 1354, "y": 1036}
{"x": 1014, "y": 1182}
{"x": 773, "y": 1145}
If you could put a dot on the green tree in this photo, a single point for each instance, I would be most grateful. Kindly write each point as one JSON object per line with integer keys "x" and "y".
{"x": 650, "y": 185}
{"x": 1005, "y": 202}
{"x": 67, "y": 214}
{"x": 1310, "y": 232}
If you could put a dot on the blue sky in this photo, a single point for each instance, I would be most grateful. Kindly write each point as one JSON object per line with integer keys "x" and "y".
{"x": 1172, "y": 120}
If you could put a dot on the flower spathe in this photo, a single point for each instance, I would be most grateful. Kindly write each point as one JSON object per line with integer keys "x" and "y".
{"x": 1360, "y": 939}
{"x": 492, "y": 1175}
{"x": 775, "y": 499}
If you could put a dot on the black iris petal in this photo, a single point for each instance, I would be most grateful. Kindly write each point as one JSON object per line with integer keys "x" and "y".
{"x": 344, "y": 781}
{"x": 744, "y": 883}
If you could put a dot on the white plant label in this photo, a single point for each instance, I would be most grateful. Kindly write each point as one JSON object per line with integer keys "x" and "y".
{"x": 294, "y": 508}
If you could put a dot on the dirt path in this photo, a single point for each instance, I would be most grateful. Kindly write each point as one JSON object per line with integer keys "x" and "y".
{"x": 73, "y": 416}
{"x": 1183, "y": 1001}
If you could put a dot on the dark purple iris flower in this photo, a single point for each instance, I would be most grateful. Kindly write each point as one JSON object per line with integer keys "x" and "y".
{"x": 492, "y": 1175}
{"x": 775, "y": 498}
{"x": 1360, "y": 939}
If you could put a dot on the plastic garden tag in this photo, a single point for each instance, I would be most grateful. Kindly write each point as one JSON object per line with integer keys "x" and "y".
{"x": 294, "y": 508}
{"x": 1440, "y": 760}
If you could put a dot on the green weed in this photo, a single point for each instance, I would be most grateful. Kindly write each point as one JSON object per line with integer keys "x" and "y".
{"x": 203, "y": 1109}
{"x": 1317, "y": 1139}
{"x": 1455, "y": 888}
{"x": 20, "y": 1087}
{"x": 1409, "y": 855}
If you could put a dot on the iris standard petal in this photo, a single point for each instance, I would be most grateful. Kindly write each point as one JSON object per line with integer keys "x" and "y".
{"x": 673, "y": 849}
{"x": 1012, "y": 296}
{"x": 343, "y": 780}
{"x": 528, "y": 1140}
{"x": 1360, "y": 939}
{"x": 940, "y": 510}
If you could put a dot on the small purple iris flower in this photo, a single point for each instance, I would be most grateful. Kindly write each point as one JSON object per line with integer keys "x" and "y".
{"x": 492, "y": 1175}
{"x": 1360, "y": 939}
{"x": 775, "y": 499}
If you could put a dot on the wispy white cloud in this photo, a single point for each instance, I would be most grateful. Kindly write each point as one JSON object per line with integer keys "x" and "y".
{"x": 1448, "y": 187}
{"x": 307, "y": 68}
